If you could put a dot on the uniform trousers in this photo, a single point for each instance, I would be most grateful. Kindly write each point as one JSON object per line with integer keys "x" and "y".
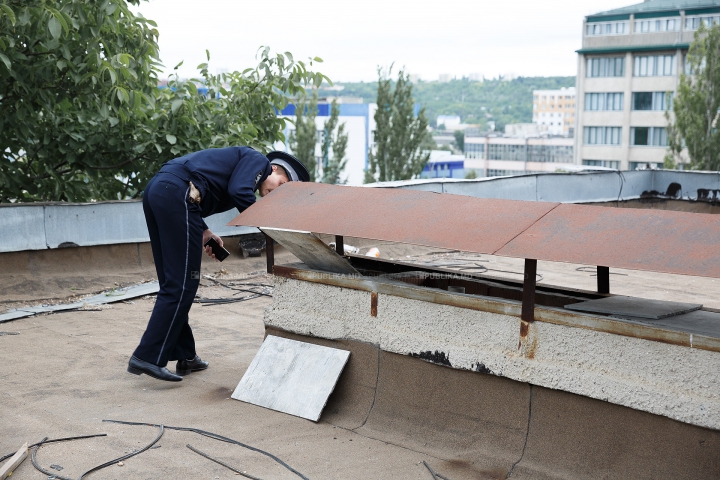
{"x": 175, "y": 226}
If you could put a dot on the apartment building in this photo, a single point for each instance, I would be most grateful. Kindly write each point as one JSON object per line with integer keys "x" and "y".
{"x": 629, "y": 69}
{"x": 555, "y": 109}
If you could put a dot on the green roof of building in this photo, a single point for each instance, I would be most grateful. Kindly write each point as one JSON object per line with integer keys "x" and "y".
{"x": 659, "y": 6}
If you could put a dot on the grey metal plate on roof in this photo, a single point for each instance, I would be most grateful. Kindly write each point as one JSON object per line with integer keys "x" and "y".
{"x": 111, "y": 296}
{"x": 700, "y": 322}
{"x": 311, "y": 250}
{"x": 292, "y": 377}
{"x": 619, "y": 305}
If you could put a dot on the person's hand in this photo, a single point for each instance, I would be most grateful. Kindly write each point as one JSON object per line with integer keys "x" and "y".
{"x": 207, "y": 235}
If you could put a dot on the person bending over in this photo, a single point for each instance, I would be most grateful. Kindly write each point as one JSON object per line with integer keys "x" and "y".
{"x": 175, "y": 201}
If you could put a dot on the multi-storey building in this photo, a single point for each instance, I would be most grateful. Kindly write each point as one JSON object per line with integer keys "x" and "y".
{"x": 555, "y": 109}
{"x": 628, "y": 72}
{"x": 492, "y": 156}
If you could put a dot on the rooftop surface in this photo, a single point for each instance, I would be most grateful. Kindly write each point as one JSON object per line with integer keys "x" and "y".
{"x": 64, "y": 373}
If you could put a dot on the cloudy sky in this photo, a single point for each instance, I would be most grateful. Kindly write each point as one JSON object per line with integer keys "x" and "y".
{"x": 457, "y": 37}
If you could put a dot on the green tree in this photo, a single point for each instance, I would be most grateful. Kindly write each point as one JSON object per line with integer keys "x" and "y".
{"x": 398, "y": 132}
{"x": 459, "y": 139}
{"x": 304, "y": 138}
{"x": 697, "y": 105}
{"x": 81, "y": 117}
{"x": 334, "y": 164}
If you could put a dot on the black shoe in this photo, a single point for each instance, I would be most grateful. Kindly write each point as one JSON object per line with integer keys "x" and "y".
{"x": 185, "y": 367}
{"x": 137, "y": 366}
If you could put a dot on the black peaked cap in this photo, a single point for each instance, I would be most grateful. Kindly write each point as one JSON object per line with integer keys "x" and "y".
{"x": 295, "y": 169}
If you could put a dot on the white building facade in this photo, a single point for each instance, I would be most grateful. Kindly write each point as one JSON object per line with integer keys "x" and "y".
{"x": 554, "y": 111}
{"x": 628, "y": 73}
{"x": 359, "y": 124}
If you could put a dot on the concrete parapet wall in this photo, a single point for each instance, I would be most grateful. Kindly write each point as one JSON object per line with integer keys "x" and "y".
{"x": 660, "y": 378}
{"x": 481, "y": 426}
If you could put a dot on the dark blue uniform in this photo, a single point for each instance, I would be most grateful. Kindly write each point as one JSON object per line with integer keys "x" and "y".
{"x": 226, "y": 178}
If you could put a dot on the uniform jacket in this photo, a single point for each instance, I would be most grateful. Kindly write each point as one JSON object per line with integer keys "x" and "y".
{"x": 226, "y": 177}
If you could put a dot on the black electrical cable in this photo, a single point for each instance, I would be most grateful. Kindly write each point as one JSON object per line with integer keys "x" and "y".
{"x": 220, "y": 438}
{"x": 106, "y": 464}
{"x": 221, "y": 463}
{"x": 432, "y": 472}
{"x": 39, "y": 468}
{"x": 120, "y": 459}
{"x": 5, "y": 457}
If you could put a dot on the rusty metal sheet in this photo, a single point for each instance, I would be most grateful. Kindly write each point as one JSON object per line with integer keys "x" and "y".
{"x": 407, "y": 216}
{"x": 635, "y": 239}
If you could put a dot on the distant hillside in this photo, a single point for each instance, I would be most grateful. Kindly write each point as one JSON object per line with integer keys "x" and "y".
{"x": 506, "y": 101}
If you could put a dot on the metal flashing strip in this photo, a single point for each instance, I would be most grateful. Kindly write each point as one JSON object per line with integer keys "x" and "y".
{"x": 103, "y": 298}
{"x": 653, "y": 240}
{"x": 658, "y": 331}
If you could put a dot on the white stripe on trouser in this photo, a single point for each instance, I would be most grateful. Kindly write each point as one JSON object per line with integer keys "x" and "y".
{"x": 187, "y": 250}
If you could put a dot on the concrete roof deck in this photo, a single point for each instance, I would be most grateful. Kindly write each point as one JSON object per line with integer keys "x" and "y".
{"x": 64, "y": 373}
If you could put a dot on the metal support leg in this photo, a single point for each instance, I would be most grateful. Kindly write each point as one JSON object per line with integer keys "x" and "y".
{"x": 339, "y": 245}
{"x": 528, "y": 297}
{"x": 603, "y": 279}
{"x": 269, "y": 252}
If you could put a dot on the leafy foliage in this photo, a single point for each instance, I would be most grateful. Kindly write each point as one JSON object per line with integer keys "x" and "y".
{"x": 499, "y": 100}
{"x": 398, "y": 132}
{"x": 335, "y": 141}
{"x": 697, "y": 105}
{"x": 81, "y": 117}
{"x": 459, "y": 140}
{"x": 303, "y": 139}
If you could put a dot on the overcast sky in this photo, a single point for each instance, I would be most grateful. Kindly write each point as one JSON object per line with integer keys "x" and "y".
{"x": 528, "y": 38}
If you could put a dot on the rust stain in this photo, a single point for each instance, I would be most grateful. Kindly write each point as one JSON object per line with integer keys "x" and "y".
{"x": 373, "y": 304}
{"x": 653, "y": 240}
{"x": 524, "y": 328}
{"x": 527, "y": 343}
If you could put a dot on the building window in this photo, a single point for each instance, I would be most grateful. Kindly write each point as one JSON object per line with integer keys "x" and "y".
{"x": 693, "y": 23}
{"x": 604, "y": 101}
{"x": 474, "y": 150}
{"x": 550, "y": 153}
{"x": 648, "y": 136}
{"x": 652, "y": 101}
{"x": 506, "y": 152}
{"x": 645, "y": 166}
{"x": 605, "y": 67}
{"x": 654, "y": 65}
{"x": 601, "y": 136}
{"x": 492, "y": 172}
{"x": 657, "y": 25}
{"x": 602, "y": 163}
{"x": 606, "y": 28}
